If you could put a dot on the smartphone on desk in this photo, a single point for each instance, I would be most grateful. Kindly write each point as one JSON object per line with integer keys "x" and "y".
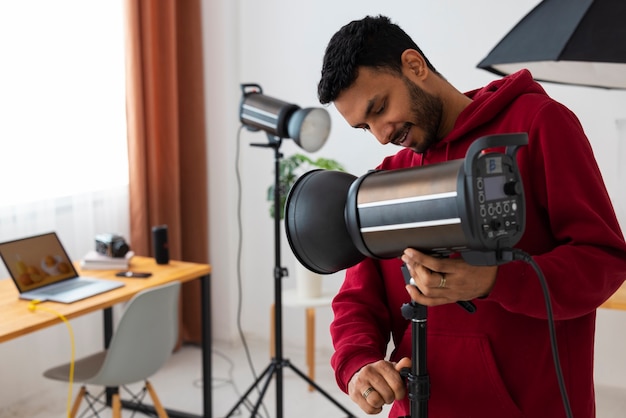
{"x": 133, "y": 274}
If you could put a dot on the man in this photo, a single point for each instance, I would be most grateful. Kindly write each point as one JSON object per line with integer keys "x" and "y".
{"x": 496, "y": 362}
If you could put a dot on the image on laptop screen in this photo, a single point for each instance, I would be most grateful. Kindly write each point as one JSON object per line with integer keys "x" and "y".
{"x": 36, "y": 261}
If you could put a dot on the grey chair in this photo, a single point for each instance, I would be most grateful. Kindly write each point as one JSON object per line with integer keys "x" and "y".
{"x": 144, "y": 339}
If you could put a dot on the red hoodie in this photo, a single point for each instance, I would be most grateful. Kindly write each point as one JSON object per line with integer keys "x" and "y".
{"x": 497, "y": 362}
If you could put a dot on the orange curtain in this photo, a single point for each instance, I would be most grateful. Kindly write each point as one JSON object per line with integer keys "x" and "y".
{"x": 167, "y": 137}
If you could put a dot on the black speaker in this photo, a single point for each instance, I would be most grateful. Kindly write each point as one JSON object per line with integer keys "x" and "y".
{"x": 160, "y": 244}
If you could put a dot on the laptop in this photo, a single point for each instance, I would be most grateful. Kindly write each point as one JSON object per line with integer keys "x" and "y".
{"x": 42, "y": 270}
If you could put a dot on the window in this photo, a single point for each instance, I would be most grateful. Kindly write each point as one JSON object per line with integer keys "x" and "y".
{"x": 62, "y": 104}
{"x": 63, "y": 146}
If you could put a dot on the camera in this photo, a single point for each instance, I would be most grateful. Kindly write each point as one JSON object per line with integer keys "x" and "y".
{"x": 111, "y": 245}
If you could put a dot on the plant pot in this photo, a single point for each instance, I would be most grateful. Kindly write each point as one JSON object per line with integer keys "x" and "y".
{"x": 308, "y": 284}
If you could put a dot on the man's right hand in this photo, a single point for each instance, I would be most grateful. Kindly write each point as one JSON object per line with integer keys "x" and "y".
{"x": 377, "y": 384}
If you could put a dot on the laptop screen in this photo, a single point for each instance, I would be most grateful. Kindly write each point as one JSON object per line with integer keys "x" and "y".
{"x": 36, "y": 261}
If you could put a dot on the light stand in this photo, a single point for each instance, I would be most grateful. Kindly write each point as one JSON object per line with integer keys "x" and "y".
{"x": 278, "y": 362}
{"x": 417, "y": 379}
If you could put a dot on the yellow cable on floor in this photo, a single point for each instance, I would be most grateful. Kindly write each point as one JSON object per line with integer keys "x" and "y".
{"x": 33, "y": 306}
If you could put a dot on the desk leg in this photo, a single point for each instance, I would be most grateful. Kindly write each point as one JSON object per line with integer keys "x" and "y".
{"x": 108, "y": 326}
{"x": 108, "y": 334}
{"x": 206, "y": 346}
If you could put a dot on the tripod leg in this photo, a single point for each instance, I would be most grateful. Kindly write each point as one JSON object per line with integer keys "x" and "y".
{"x": 276, "y": 369}
{"x": 319, "y": 389}
{"x": 269, "y": 371}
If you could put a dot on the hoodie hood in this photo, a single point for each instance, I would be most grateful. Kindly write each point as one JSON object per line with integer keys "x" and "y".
{"x": 493, "y": 100}
{"x": 489, "y": 113}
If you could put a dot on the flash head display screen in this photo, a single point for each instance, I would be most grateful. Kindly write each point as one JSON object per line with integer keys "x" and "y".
{"x": 494, "y": 187}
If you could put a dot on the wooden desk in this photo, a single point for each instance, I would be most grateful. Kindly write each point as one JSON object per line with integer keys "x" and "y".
{"x": 618, "y": 300}
{"x": 16, "y": 320}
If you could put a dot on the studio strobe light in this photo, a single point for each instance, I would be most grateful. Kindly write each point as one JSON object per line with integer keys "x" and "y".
{"x": 472, "y": 206}
{"x": 309, "y": 128}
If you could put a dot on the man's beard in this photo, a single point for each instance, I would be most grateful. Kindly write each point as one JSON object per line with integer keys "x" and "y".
{"x": 427, "y": 111}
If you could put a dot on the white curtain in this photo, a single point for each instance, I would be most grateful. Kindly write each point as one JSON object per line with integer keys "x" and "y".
{"x": 63, "y": 147}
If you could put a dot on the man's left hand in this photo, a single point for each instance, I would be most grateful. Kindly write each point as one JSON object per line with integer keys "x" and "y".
{"x": 446, "y": 280}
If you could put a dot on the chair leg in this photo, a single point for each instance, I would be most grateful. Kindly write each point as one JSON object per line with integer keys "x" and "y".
{"x": 116, "y": 406}
{"x": 77, "y": 401}
{"x": 155, "y": 400}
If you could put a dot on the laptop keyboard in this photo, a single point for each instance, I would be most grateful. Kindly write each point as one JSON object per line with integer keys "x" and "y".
{"x": 67, "y": 286}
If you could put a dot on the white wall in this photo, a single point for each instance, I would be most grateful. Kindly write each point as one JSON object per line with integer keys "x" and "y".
{"x": 279, "y": 44}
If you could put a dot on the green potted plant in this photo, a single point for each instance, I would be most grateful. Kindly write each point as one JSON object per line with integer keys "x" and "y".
{"x": 290, "y": 169}
{"x": 308, "y": 284}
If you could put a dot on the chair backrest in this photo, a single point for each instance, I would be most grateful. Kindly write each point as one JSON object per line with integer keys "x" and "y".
{"x": 144, "y": 338}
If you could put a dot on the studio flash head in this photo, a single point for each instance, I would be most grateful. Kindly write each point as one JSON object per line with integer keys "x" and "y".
{"x": 309, "y": 127}
{"x": 472, "y": 206}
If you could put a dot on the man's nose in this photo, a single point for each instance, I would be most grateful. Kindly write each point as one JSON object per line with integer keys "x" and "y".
{"x": 382, "y": 132}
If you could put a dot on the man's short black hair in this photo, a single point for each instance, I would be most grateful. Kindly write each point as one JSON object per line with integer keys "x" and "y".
{"x": 372, "y": 42}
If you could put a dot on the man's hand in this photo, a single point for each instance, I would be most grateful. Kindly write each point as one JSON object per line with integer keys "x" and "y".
{"x": 377, "y": 384}
{"x": 446, "y": 280}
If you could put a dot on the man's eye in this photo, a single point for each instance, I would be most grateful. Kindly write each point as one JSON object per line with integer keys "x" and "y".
{"x": 380, "y": 109}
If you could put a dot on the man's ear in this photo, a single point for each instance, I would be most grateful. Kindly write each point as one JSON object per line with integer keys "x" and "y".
{"x": 414, "y": 64}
